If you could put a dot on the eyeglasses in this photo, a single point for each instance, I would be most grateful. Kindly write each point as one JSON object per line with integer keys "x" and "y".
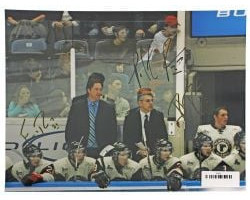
{"x": 148, "y": 100}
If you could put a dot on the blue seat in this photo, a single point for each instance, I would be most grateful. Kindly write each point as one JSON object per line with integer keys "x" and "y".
{"x": 29, "y": 46}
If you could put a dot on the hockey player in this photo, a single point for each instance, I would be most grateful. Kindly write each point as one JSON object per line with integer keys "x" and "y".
{"x": 236, "y": 160}
{"x": 33, "y": 168}
{"x": 8, "y": 167}
{"x": 163, "y": 166}
{"x": 76, "y": 166}
{"x": 221, "y": 133}
{"x": 119, "y": 166}
{"x": 202, "y": 159}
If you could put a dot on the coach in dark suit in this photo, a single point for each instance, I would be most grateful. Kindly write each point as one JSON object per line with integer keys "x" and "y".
{"x": 143, "y": 124}
{"x": 91, "y": 118}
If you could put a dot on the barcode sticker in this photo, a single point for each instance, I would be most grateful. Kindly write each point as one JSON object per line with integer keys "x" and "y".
{"x": 212, "y": 179}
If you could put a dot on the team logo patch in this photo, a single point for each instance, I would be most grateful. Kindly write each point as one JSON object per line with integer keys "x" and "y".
{"x": 222, "y": 147}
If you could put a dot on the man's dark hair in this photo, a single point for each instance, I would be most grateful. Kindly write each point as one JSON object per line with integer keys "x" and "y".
{"x": 95, "y": 78}
{"x": 217, "y": 110}
{"x": 116, "y": 29}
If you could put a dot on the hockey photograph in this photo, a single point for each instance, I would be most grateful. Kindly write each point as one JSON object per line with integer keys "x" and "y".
{"x": 128, "y": 101}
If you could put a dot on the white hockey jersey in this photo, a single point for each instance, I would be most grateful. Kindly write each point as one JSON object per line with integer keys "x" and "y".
{"x": 19, "y": 170}
{"x": 127, "y": 171}
{"x": 235, "y": 161}
{"x": 191, "y": 164}
{"x": 65, "y": 168}
{"x": 162, "y": 171}
{"x": 223, "y": 141}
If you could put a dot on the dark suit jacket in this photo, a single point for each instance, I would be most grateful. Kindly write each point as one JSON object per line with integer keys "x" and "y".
{"x": 78, "y": 122}
{"x": 132, "y": 129}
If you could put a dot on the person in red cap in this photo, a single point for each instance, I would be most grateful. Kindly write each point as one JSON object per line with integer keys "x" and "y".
{"x": 163, "y": 40}
{"x": 170, "y": 30}
{"x": 171, "y": 20}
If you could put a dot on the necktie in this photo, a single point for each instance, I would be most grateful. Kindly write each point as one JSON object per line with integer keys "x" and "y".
{"x": 146, "y": 125}
{"x": 92, "y": 136}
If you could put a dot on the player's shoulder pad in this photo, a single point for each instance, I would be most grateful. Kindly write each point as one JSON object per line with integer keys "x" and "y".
{"x": 234, "y": 128}
{"x": 45, "y": 162}
{"x": 60, "y": 162}
{"x": 143, "y": 161}
{"x": 187, "y": 157}
{"x": 135, "y": 165}
{"x": 213, "y": 157}
{"x": 204, "y": 127}
{"x": 229, "y": 159}
{"x": 175, "y": 160}
{"x": 90, "y": 160}
{"x": 18, "y": 165}
{"x": 106, "y": 159}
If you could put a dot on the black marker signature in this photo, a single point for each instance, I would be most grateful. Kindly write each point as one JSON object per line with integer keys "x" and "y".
{"x": 147, "y": 64}
{"x": 179, "y": 103}
{"x": 39, "y": 129}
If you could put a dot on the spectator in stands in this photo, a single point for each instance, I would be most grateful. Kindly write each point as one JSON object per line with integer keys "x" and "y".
{"x": 164, "y": 39}
{"x": 21, "y": 105}
{"x": 57, "y": 105}
{"x": 107, "y": 30}
{"x": 147, "y": 24}
{"x": 123, "y": 70}
{"x": 28, "y": 70}
{"x": 118, "y": 49}
{"x": 64, "y": 27}
{"x": 27, "y": 28}
{"x": 113, "y": 96}
{"x": 63, "y": 69}
{"x": 170, "y": 31}
{"x": 35, "y": 73}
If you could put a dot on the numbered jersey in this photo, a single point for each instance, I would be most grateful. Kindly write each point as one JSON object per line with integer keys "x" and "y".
{"x": 159, "y": 172}
{"x": 223, "y": 140}
{"x": 19, "y": 170}
{"x": 236, "y": 162}
{"x": 126, "y": 172}
{"x": 70, "y": 172}
{"x": 192, "y": 166}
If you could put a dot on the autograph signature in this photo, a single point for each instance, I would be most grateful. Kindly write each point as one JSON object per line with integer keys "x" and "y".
{"x": 146, "y": 63}
{"x": 178, "y": 103}
{"x": 39, "y": 129}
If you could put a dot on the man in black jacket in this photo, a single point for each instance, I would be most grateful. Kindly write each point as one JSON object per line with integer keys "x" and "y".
{"x": 90, "y": 119}
{"x": 143, "y": 125}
